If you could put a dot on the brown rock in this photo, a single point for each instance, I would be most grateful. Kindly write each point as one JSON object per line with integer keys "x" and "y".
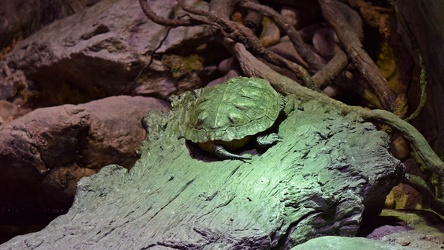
{"x": 44, "y": 153}
{"x": 226, "y": 65}
{"x": 12, "y": 83}
{"x": 400, "y": 147}
{"x": 286, "y": 49}
{"x": 300, "y": 13}
{"x": 291, "y": 15}
{"x": 21, "y": 18}
{"x": 7, "y": 111}
{"x": 418, "y": 229}
{"x": 324, "y": 41}
{"x": 403, "y": 196}
{"x": 270, "y": 33}
{"x": 101, "y": 52}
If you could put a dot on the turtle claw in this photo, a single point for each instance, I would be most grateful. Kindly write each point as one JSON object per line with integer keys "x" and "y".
{"x": 221, "y": 152}
{"x": 267, "y": 140}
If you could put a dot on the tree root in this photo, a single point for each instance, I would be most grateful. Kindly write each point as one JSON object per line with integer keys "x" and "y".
{"x": 336, "y": 14}
{"x": 245, "y": 47}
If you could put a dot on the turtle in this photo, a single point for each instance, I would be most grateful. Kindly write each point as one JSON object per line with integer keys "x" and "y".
{"x": 228, "y": 115}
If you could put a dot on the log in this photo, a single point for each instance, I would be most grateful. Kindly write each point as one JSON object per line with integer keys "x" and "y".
{"x": 328, "y": 172}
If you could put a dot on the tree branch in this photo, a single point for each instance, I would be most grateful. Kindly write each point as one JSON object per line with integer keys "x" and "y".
{"x": 245, "y": 47}
{"x": 295, "y": 37}
{"x": 240, "y": 33}
{"x": 166, "y": 21}
{"x": 331, "y": 70}
{"x": 333, "y": 12}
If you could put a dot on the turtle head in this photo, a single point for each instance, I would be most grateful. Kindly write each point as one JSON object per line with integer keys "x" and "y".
{"x": 222, "y": 148}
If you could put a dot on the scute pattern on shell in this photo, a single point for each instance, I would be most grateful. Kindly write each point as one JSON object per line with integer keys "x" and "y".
{"x": 234, "y": 109}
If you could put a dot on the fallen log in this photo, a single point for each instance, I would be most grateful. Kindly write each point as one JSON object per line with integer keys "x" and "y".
{"x": 327, "y": 173}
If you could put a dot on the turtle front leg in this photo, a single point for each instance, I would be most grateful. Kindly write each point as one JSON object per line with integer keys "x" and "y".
{"x": 267, "y": 140}
{"x": 221, "y": 152}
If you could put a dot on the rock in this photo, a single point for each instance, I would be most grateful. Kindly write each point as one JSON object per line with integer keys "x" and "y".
{"x": 8, "y": 111}
{"x": 346, "y": 243}
{"x": 19, "y": 19}
{"x": 291, "y": 15}
{"x": 227, "y": 65}
{"x": 231, "y": 74}
{"x": 252, "y": 20}
{"x": 300, "y": 13}
{"x": 270, "y": 34}
{"x": 44, "y": 153}
{"x": 324, "y": 41}
{"x": 307, "y": 32}
{"x": 400, "y": 147}
{"x": 13, "y": 83}
{"x": 286, "y": 49}
{"x": 404, "y": 197}
{"x": 327, "y": 173}
{"x": 103, "y": 51}
{"x": 418, "y": 229}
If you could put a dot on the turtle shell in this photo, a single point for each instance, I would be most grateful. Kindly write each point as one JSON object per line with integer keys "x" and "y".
{"x": 232, "y": 110}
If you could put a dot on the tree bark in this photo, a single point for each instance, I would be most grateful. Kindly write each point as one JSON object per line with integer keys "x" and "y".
{"x": 328, "y": 171}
